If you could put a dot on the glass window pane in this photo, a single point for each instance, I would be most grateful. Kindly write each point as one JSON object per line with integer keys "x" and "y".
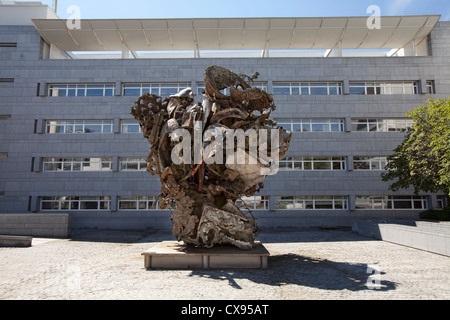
{"x": 324, "y": 204}
{"x": 361, "y": 165}
{"x": 398, "y": 204}
{"x": 307, "y": 165}
{"x": 94, "y": 92}
{"x": 357, "y": 90}
{"x": 93, "y": 127}
{"x": 127, "y": 205}
{"x": 131, "y": 92}
{"x": 89, "y": 205}
{"x": 319, "y": 90}
{"x": 107, "y": 128}
{"x": 277, "y": 89}
{"x": 322, "y": 165}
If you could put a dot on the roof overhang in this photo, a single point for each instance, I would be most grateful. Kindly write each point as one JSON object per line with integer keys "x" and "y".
{"x": 236, "y": 33}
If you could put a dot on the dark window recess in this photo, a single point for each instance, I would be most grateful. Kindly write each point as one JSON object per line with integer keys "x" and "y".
{"x": 8, "y": 44}
{"x": 6, "y": 81}
{"x": 32, "y": 164}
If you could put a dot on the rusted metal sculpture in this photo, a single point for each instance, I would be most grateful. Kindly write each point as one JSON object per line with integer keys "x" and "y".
{"x": 202, "y": 171}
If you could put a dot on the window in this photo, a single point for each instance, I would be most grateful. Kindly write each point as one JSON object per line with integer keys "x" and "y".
{"x": 382, "y": 125}
{"x": 430, "y": 87}
{"x": 312, "y": 163}
{"x": 369, "y": 163}
{"x": 81, "y": 90}
{"x": 6, "y": 82}
{"x": 77, "y": 164}
{"x": 159, "y": 89}
{"x": 3, "y": 155}
{"x": 130, "y": 126}
{"x": 226, "y": 91}
{"x": 253, "y": 203}
{"x": 312, "y": 125}
{"x": 311, "y": 203}
{"x": 375, "y": 88}
{"x": 138, "y": 203}
{"x": 307, "y": 88}
{"x": 75, "y": 203}
{"x": 79, "y": 126}
{"x": 8, "y": 44}
{"x": 440, "y": 204}
{"x": 133, "y": 164}
{"x": 391, "y": 202}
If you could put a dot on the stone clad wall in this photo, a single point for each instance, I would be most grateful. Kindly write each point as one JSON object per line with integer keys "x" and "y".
{"x": 36, "y": 225}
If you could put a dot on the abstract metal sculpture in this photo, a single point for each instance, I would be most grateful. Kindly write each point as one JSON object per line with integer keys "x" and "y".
{"x": 203, "y": 172}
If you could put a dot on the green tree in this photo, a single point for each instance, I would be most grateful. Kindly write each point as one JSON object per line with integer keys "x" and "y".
{"x": 423, "y": 159}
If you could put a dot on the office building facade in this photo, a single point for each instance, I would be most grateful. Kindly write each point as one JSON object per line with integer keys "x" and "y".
{"x": 69, "y": 143}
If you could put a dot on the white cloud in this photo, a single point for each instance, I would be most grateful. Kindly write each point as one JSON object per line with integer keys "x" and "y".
{"x": 397, "y": 7}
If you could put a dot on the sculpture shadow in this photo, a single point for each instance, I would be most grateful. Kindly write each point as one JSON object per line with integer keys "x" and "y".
{"x": 293, "y": 269}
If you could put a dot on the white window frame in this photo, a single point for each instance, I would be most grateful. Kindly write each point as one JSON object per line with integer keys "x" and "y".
{"x": 311, "y": 202}
{"x": 382, "y": 125}
{"x": 75, "y": 203}
{"x": 311, "y": 125}
{"x": 372, "y": 163}
{"x": 306, "y": 88}
{"x": 311, "y": 163}
{"x": 77, "y": 126}
{"x": 125, "y": 126}
{"x": 80, "y": 89}
{"x": 127, "y": 164}
{"x": 385, "y": 87}
{"x": 389, "y": 202}
{"x": 67, "y": 164}
{"x": 154, "y": 88}
{"x": 260, "y": 85}
{"x": 253, "y": 203}
{"x": 142, "y": 203}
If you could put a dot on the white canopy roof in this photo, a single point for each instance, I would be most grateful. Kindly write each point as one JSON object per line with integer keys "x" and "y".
{"x": 235, "y": 33}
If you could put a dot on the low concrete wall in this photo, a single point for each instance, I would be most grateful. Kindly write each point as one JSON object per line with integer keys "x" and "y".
{"x": 15, "y": 241}
{"x": 424, "y": 235}
{"x": 36, "y": 225}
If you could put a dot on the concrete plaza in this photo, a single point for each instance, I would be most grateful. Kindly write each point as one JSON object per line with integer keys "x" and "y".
{"x": 313, "y": 264}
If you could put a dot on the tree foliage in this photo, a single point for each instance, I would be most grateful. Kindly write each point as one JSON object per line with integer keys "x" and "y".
{"x": 423, "y": 159}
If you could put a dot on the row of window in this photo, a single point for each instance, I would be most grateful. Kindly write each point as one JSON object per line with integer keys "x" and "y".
{"x": 337, "y": 125}
{"x": 279, "y": 88}
{"x": 90, "y": 126}
{"x": 148, "y": 203}
{"x": 140, "y": 164}
{"x": 81, "y": 90}
{"x": 312, "y": 163}
{"x": 92, "y": 164}
{"x": 295, "y": 125}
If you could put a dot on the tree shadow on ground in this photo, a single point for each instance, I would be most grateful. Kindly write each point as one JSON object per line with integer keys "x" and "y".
{"x": 293, "y": 269}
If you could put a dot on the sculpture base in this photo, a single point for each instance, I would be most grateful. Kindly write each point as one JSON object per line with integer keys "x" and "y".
{"x": 175, "y": 255}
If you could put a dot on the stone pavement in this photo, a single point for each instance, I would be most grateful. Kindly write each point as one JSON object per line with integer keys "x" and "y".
{"x": 314, "y": 264}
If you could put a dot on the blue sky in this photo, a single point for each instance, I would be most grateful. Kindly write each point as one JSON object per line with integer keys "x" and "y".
{"x": 147, "y": 9}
